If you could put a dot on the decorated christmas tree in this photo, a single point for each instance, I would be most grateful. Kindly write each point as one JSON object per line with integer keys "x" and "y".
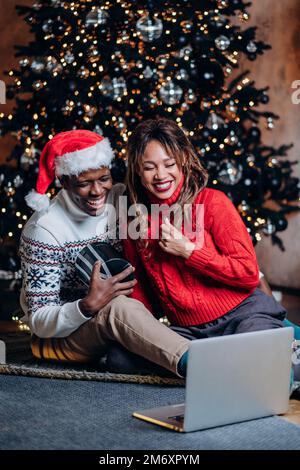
{"x": 107, "y": 65}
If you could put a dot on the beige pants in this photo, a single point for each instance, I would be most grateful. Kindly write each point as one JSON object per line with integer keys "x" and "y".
{"x": 124, "y": 320}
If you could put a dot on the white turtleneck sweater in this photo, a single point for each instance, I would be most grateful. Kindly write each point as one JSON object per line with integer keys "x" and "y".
{"x": 50, "y": 243}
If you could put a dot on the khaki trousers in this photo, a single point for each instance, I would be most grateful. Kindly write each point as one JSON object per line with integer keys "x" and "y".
{"x": 124, "y": 320}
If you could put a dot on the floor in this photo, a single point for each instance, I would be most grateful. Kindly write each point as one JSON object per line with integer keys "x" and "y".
{"x": 292, "y": 304}
{"x": 293, "y": 414}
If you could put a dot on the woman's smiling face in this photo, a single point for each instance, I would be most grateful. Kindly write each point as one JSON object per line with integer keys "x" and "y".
{"x": 159, "y": 172}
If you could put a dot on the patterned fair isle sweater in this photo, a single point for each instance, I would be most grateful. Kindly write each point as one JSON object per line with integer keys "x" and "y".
{"x": 49, "y": 246}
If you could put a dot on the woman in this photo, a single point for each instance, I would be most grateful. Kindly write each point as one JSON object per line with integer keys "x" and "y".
{"x": 206, "y": 286}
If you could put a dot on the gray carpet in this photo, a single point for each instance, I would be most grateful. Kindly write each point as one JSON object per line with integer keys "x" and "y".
{"x": 65, "y": 414}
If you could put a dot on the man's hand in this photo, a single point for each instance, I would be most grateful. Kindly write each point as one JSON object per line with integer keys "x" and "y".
{"x": 102, "y": 291}
{"x": 174, "y": 242}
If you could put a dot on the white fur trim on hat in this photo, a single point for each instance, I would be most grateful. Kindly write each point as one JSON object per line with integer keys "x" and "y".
{"x": 38, "y": 202}
{"x": 90, "y": 158}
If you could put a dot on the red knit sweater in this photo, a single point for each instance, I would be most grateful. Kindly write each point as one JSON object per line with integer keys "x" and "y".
{"x": 215, "y": 278}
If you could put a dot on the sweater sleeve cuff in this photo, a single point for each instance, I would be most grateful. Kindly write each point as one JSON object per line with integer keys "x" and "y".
{"x": 82, "y": 315}
{"x": 199, "y": 258}
{"x": 73, "y": 316}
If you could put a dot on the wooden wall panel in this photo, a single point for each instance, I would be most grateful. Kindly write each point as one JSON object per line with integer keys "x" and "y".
{"x": 279, "y": 25}
{"x": 13, "y": 30}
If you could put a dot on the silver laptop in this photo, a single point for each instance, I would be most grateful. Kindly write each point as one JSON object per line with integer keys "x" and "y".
{"x": 231, "y": 379}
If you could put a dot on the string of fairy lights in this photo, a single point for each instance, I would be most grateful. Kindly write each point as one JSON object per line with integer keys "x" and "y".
{"x": 106, "y": 65}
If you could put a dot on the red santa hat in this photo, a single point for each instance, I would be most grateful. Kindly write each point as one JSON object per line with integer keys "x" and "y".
{"x": 68, "y": 153}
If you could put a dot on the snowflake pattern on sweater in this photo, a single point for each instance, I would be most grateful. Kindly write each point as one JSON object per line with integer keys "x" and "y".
{"x": 51, "y": 288}
{"x": 52, "y": 271}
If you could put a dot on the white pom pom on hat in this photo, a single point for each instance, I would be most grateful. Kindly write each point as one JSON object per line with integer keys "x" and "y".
{"x": 37, "y": 202}
{"x": 68, "y": 153}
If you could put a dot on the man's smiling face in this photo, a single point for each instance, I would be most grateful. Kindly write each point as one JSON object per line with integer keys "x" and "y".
{"x": 89, "y": 190}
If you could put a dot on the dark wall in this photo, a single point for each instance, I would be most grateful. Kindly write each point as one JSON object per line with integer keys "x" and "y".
{"x": 278, "y": 24}
{"x": 13, "y": 30}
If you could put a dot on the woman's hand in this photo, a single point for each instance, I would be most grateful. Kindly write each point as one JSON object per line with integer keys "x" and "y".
{"x": 174, "y": 242}
{"x": 102, "y": 291}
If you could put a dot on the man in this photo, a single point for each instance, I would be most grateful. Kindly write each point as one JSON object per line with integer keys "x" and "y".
{"x": 68, "y": 323}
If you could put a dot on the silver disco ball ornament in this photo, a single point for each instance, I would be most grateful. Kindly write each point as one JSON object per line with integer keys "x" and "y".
{"x": 93, "y": 53}
{"x": 149, "y": 28}
{"x": 222, "y": 42}
{"x": 230, "y": 172}
{"x": 66, "y": 110}
{"x": 24, "y": 62}
{"x": 182, "y": 75}
{"x": 218, "y": 20}
{"x": 47, "y": 26}
{"x": 18, "y": 181}
{"x": 148, "y": 72}
{"x": 38, "y": 65}
{"x": 250, "y": 158}
{"x": 119, "y": 87}
{"x": 233, "y": 138}
{"x": 98, "y": 129}
{"x": 223, "y": 4}
{"x": 251, "y": 47}
{"x": 243, "y": 206}
{"x": 53, "y": 65}
{"x": 231, "y": 108}
{"x": 120, "y": 124}
{"x": 69, "y": 57}
{"x": 268, "y": 228}
{"x": 190, "y": 96}
{"x": 187, "y": 26}
{"x": 30, "y": 157}
{"x": 96, "y": 17}
{"x": 185, "y": 52}
{"x": 89, "y": 110}
{"x": 38, "y": 85}
{"x": 83, "y": 72}
{"x": 106, "y": 87}
{"x": 214, "y": 122}
{"x": 170, "y": 93}
{"x": 115, "y": 88}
